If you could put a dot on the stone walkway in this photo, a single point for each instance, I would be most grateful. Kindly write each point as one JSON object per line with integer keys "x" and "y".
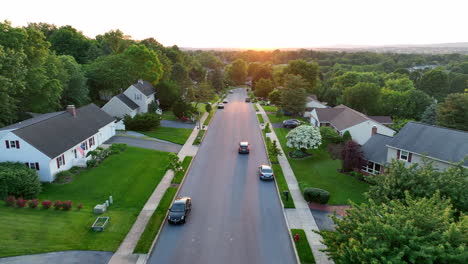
{"x": 301, "y": 216}
{"x": 124, "y": 254}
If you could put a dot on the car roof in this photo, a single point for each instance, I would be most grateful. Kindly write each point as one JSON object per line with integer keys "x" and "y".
{"x": 181, "y": 200}
{"x": 265, "y": 167}
{"x": 244, "y": 143}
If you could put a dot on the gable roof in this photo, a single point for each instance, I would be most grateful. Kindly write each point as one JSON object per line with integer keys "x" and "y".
{"x": 342, "y": 117}
{"x": 385, "y": 120}
{"x": 31, "y": 121}
{"x": 145, "y": 87}
{"x": 59, "y": 133}
{"x": 442, "y": 143}
{"x": 375, "y": 149}
{"x": 127, "y": 101}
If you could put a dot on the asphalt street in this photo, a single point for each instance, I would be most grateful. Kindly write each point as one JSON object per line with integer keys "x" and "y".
{"x": 235, "y": 218}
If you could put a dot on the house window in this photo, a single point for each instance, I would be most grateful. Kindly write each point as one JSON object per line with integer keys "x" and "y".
{"x": 12, "y": 144}
{"x": 60, "y": 161}
{"x": 404, "y": 155}
{"x": 372, "y": 167}
{"x": 137, "y": 96}
{"x": 74, "y": 153}
{"x": 34, "y": 165}
{"x": 91, "y": 142}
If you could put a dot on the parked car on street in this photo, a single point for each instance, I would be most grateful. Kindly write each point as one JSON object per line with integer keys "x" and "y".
{"x": 247, "y": 100}
{"x": 220, "y": 106}
{"x": 231, "y": 92}
{"x": 291, "y": 123}
{"x": 179, "y": 210}
{"x": 265, "y": 172}
{"x": 244, "y": 147}
{"x": 225, "y": 101}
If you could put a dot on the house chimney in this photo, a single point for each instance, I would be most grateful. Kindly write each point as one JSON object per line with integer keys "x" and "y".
{"x": 71, "y": 109}
{"x": 140, "y": 81}
{"x": 374, "y": 130}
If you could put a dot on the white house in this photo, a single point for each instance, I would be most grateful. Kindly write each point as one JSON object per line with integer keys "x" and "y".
{"x": 311, "y": 104}
{"x": 342, "y": 119}
{"x": 54, "y": 142}
{"x": 132, "y": 101}
{"x": 444, "y": 147}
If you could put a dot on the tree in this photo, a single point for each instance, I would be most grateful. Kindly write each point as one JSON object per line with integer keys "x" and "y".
{"x": 237, "y": 71}
{"x": 420, "y": 181}
{"x": 363, "y": 97}
{"x": 168, "y": 92}
{"x": 264, "y": 88}
{"x": 209, "y": 60}
{"x": 144, "y": 63}
{"x": 114, "y": 42}
{"x": 293, "y": 96}
{"x": 142, "y": 122}
{"x": 435, "y": 83}
{"x": 352, "y": 156}
{"x": 430, "y": 114}
{"x": 274, "y": 150}
{"x": 75, "y": 90}
{"x": 458, "y": 82}
{"x": 308, "y": 71}
{"x": 347, "y": 136}
{"x": 304, "y": 137}
{"x": 401, "y": 84}
{"x": 175, "y": 164}
{"x": 453, "y": 112}
{"x": 416, "y": 230}
{"x": 182, "y": 109}
{"x": 329, "y": 135}
{"x": 180, "y": 75}
{"x": 18, "y": 180}
{"x": 67, "y": 40}
{"x": 417, "y": 102}
{"x": 263, "y": 71}
{"x": 217, "y": 80}
{"x": 275, "y": 97}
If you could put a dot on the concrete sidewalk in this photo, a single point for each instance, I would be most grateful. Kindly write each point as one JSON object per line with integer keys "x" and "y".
{"x": 124, "y": 254}
{"x": 301, "y": 216}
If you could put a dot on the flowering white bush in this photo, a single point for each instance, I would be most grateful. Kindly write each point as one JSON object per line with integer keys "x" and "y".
{"x": 304, "y": 137}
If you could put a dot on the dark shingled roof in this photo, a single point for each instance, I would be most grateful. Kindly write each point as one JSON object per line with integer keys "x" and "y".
{"x": 57, "y": 134}
{"x": 122, "y": 97}
{"x": 385, "y": 120}
{"x": 442, "y": 143}
{"x": 145, "y": 87}
{"x": 375, "y": 149}
{"x": 31, "y": 121}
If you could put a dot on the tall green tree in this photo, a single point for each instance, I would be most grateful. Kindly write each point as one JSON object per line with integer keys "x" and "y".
{"x": 363, "y": 97}
{"x": 67, "y": 40}
{"x": 237, "y": 71}
{"x": 435, "y": 83}
{"x": 209, "y": 60}
{"x": 262, "y": 72}
{"x": 167, "y": 92}
{"x": 308, "y": 71}
{"x": 114, "y": 42}
{"x": 430, "y": 114}
{"x": 453, "y": 112}
{"x": 216, "y": 78}
{"x": 401, "y": 84}
{"x": 293, "y": 95}
{"x": 264, "y": 87}
{"x": 75, "y": 90}
{"x": 413, "y": 230}
{"x": 275, "y": 97}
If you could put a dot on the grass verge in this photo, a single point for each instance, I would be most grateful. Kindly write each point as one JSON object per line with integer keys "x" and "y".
{"x": 172, "y": 134}
{"x": 255, "y": 107}
{"x": 210, "y": 116}
{"x": 260, "y": 119}
{"x": 320, "y": 171}
{"x": 180, "y": 175}
{"x": 269, "y": 108}
{"x": 158, "y": 217}
{"x": 303, "y": 248}
{"x": 199, "y": 137}
{"x": 130, "y": 177}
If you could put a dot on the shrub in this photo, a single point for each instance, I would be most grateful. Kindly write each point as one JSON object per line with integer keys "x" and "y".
{"x": 352, "y": 156}
{"x": 316, "y": 195}
{"x": 142, "y": 122}
{"x": 33, "y": 203}
{"x": 91, "y": 163}
{"x": 347, "y": 136}
{"x": 208, "y": 108}
{"x": 75, "y": 169}
{"x": 182, "y": 109}
{"x": 330, "y": 135}
{"x": 79, "y": 207}
{"x": 63, "y": 174}
{"x": 46, "y": 204}
{"x": 18, "y": 180}
{"x": 67, "y": 205}
{"x": 267, "y": 128}
{"x": 58, "y": 205}
{"x": 10, "y": 201}
{"x": 20, "y": 202}
{"x": 117, "y": 148}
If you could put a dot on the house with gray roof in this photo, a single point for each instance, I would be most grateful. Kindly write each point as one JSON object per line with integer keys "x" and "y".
{"x": 54, "y": 142}
{"x": 136, "y": 99}
{"x": 311, "y": 103}
{"x": 342, "y": 118}
{"x": 444, "y": 147}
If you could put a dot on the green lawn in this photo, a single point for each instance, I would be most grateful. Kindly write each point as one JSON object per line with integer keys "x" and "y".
{"x": 269, "y": 108}
{"x": 130, "y": 177}
{"x": 180, "y": 175}
{"x": 274, "y": 119}
{"x": 200, "y": 107}
{"x": 199, "y": 137}
{"x": 169, "y": 115}
{"x": 260, "y": 119}
{"x": 210, "y": 116}
{"x": 158, "y": 217}
{"x": 255, "y": 107}
{"x": 175, "y": 135}
{"x": 320, "y": 171}
{"x": 303, "y": 248}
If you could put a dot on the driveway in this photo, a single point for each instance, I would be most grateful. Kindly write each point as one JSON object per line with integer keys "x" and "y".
{"x": 62, "y": 257}
{"x": 145, "y": 143}
{"x": 177, "y": 124}
{"x": 235, "y": 218}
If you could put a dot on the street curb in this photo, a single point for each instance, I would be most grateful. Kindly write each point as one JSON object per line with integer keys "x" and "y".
{"x": 278, "y": 193}
{"x": 165, "y": 217}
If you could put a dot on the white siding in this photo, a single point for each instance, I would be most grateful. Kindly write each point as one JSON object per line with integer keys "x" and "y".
{"x": 363, "y": 131}
{"x": 314, "y": 120}
{"x": 138, "y": 97}
{"x": 416, "y": 158}
{"x": 26, "y": 153}
{"x": 117, "y": 108}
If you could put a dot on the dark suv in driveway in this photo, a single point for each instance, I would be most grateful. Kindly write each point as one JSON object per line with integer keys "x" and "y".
{"x": 291, "y": 123}
{"x": 179, "y": 210}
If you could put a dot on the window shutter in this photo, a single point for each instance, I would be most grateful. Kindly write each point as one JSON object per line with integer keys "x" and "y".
{"x": 63, "y": 159}
{"x": 409, "y": 156}
{"x": 58, "y": 163}
{"x": 7, "y": 144}
{"x": 398, "y": 154}
{"x": 17, "y": 144}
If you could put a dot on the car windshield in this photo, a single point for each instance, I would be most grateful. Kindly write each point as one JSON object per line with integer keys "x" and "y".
{"x": 266, "y": 170}
{"x": 178, "y": 207}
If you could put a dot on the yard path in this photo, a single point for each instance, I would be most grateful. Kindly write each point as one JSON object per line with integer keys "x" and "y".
{"x": 146, "y": 143}
{"x": 300, "y": 217}
{"x": 124, "y": 254}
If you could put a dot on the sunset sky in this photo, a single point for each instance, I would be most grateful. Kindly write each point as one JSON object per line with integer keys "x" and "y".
{"x": 255, "y": 23}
